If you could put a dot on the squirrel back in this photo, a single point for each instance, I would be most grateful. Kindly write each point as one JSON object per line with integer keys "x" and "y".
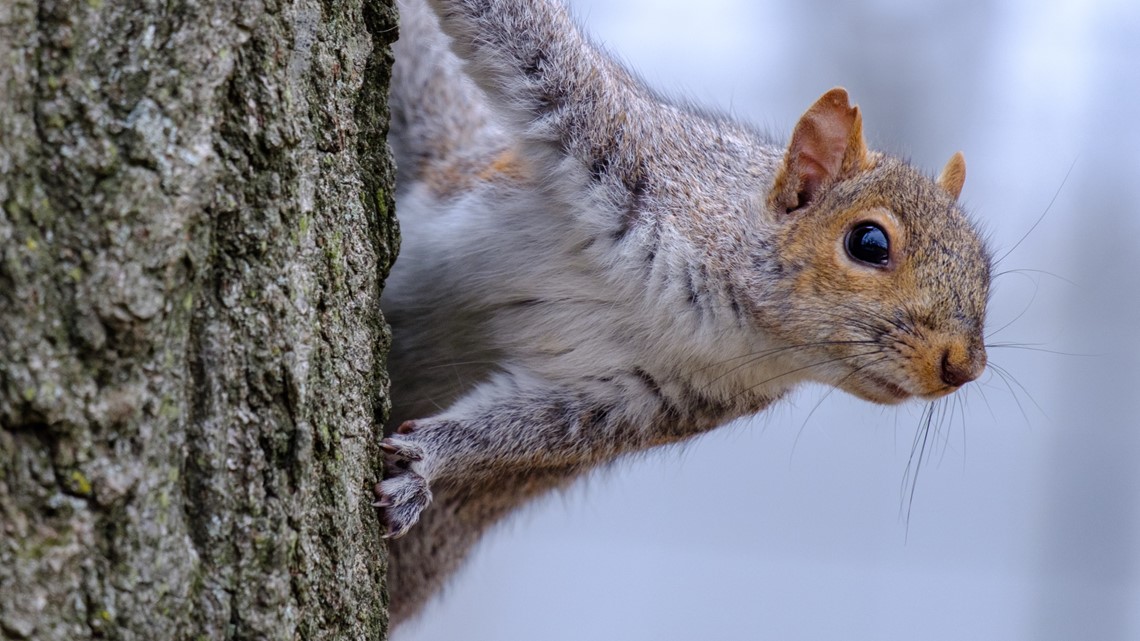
{"x": 589, "y": 270}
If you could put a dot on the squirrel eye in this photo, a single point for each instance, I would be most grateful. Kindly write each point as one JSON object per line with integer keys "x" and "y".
{"x": 868, "y": 243}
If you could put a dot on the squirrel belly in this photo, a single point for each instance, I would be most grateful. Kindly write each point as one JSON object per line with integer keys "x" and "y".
{"x": 589, "y": 270}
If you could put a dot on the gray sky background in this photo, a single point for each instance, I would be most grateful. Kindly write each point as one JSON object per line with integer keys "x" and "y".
{"x": 1025, "y": 522}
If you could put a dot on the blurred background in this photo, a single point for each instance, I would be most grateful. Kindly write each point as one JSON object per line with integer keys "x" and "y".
{"x": 798, "y": 524}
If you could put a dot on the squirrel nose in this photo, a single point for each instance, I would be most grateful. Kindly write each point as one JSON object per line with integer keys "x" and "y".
{"x": 960, "y": 366}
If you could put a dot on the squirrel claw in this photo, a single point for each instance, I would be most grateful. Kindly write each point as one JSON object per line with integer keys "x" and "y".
{"x": 403, "y": 494}
{"x": 403, "y": 498}
{"x": 401, "y": 449}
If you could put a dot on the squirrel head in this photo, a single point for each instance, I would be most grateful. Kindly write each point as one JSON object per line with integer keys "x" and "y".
{"x": 878, "y": 273}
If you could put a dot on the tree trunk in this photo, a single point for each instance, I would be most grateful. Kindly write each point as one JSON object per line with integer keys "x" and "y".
{"x": 196, "y": 222}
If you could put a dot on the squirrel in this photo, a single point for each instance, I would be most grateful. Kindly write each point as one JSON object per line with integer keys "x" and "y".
{"x": 589, "y": 269}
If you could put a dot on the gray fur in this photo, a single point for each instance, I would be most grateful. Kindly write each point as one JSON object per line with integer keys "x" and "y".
{"x": 589, "y": 271}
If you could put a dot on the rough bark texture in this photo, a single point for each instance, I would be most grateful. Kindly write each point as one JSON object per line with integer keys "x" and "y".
{"x": 195, "y": 226}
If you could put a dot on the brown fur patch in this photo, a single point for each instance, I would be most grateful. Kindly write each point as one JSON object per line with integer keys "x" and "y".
{"x": 448, "y": 178}
{"x": 507, "y": 165}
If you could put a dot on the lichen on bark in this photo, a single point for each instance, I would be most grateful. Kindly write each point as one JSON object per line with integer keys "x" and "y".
{"x": 195, "y": 223}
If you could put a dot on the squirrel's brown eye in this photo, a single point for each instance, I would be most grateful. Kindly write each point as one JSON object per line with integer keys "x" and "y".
{"x": 868, "y": 243}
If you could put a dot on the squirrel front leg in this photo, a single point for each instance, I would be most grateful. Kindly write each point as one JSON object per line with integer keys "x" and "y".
{"x": 514, "y": 424}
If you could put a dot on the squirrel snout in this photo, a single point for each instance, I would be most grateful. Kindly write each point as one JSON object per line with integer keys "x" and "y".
{"x": 961, "y": 365}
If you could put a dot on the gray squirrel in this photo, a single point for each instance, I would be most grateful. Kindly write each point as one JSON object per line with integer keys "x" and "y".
{"x": 589, "y": 270}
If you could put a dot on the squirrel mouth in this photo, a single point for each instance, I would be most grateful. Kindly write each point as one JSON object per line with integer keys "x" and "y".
{"x": 884, "y": 390}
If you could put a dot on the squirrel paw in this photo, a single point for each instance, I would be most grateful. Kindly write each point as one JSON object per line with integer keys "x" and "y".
{"x": 403, "y": 494}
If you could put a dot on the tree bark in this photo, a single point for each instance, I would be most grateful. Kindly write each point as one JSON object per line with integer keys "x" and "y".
{"x": 195, "y": 226}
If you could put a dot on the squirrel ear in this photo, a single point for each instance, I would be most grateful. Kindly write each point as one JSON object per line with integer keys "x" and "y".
{"x": 827, "y": 144}
{"x": 953, "y": 175}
